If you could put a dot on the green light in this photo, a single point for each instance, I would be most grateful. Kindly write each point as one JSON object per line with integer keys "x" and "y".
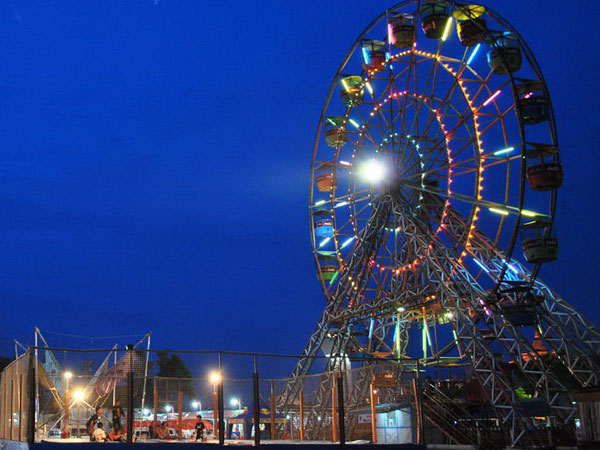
{"x": 345, "y": 85}
{"x": 320, "y": 202}
{"x": 447, "y": 29}
{"x": 499, "y": 211}
{"x": 334, "y": 277}
{"x": 526, "y": 213}
{"x": 503, "y": 151}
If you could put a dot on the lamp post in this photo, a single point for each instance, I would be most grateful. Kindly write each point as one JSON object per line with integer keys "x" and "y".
{"x": 65, "y": 433}
{"x": 215, "y": 378}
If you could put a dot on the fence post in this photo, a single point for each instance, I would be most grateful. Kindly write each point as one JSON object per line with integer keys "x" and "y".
{"x": 130, "y": 395}
{"x": 334, "y": 434}
{"x": 273, "y": 427}
{"x": 341, "y": 412}
{"x": 220, "y": 403}
{"x": 21, "y": 397}
{"x": 302, "y": 410}
{"x": 180, "y": 412}
{"x": 373, "y": 415}
{"x": 32, "y": 391}
{"x": 256, "y": 400}
{"x": 418, "y": 407}
{"x": 155, "y": 421}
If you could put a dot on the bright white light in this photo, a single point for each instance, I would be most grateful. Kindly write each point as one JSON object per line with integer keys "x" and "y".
{"x": 146, "y": 412}
{"x": 78, "y": 395}
{"x": 215, "y": 377}
{"x": 168, "y": 408}
{"x": 372, "y": 171}
{"x": 236, "y": 402}
{"x": 68, "y": 375}
{"x": 195, "y": 404}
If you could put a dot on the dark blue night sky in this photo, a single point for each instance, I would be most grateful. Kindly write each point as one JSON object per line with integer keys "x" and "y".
{"x": 155, "y": 163}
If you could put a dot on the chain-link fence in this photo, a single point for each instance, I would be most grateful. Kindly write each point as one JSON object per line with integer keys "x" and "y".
{"x": 148, "y": 395}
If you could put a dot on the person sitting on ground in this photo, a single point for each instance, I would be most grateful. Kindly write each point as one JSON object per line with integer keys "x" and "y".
{"x": 99, "y": 433}
{"x": 199, "y": 428}
{"x": 116, "y": 435}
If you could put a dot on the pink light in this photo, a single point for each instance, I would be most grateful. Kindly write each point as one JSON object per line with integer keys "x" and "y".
{"x": 528, "y": 95}
{"x": 492, "y": 97}
{"x": 391, "y": 39}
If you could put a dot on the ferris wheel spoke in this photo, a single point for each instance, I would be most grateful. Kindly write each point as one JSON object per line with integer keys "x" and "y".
{"x": 500, "y": 209}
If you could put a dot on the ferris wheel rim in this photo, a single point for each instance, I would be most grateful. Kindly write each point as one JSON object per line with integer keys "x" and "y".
{"x": 511, "y": 78}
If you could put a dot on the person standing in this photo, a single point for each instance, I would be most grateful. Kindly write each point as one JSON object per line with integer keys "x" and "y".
{"x": 117, "y": 413}
{"x": 92, "y": 421}
{"x": 199, "y": 428}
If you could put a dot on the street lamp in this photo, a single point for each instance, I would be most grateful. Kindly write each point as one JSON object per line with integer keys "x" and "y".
{"x": 216, "y": 378}
{"x": 79, "y": 395}
{"x": 236, "y": 401}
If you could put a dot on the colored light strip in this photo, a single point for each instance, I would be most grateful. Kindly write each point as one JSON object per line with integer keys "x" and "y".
{"x": 369, "y": 87}
{"x": 499, "y": 211}
{"x": 333, "y": 278}
{"x": 371, "y": 326}
{"x": 390, "y": 34}
{"x": 341, "y": 204}
{"x": 320, "y": 202}
{"x": 348, "y": 241}
{"x": 455, "y": 338}
{"x": 365, "y": 56}
{"x": 345, "y": 163}
{"x": 345, "y": 85}
{"x": 481, "y": 265}
{"x": 325, "y": 241}
{"x": 447, "y": 29}
{"x": 511, "y": 267}
{"x": 355, "y": 123}
{"x": 424, "y": 341}
{"x": 473, "y": 53}
{"x": 526, "y": 213}
{"x": 504, "y": 151}
{"x": 492, "y": 97}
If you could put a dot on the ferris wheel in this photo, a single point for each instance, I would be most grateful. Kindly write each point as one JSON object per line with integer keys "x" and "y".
{"x": 440, "y": 108}
{"x": 434, "y": 179}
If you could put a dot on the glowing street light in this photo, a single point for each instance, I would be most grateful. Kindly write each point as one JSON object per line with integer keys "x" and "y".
{"x": 68, "y": 375}
{"x": 168, "y": 408}
{"x": 372, "y": 171}
{"x": 79, "y": 395}
{"x": 236, "y": 401}
{"x": 215, "y": 377}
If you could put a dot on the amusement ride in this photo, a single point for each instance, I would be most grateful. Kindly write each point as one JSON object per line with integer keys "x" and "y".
{"x": 434, "y": 180}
